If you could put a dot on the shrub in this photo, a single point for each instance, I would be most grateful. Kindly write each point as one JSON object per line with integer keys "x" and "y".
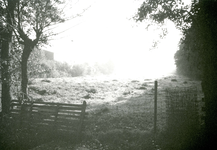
{"x": 188, "y": 62}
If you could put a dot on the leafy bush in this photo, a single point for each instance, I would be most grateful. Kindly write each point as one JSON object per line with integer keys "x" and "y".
{"x": 66, "y": 70}
{"x": 77, "y": 70}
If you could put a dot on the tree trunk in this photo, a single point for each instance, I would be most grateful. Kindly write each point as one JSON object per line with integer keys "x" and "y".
{"x": 28, "y": 47}
{"x": 5, "y": 51}
{"x": 24, "y": 78}
{"x": 5, "y": 75}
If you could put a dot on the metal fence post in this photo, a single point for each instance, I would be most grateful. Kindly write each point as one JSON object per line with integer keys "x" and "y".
{"x": 155, "y": 107}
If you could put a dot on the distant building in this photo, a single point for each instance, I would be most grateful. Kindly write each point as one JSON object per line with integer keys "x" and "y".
{"x": 48, "y": 55}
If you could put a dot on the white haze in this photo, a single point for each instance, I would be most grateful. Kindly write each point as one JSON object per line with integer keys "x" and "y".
{"x": 105, "y": 32}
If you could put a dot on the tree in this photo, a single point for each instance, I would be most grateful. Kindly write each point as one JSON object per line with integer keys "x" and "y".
{"x": 33, "y": 17}
{"x": 28, "y": 24}
{"x": 188, "y": 62}
{"x": 199, "y": 26}
{"x": 6, "y": 42}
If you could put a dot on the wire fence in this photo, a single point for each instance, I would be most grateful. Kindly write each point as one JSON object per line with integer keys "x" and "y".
{"x": 182, "y": 107}
{"x": 178, "y": 113}
{"x": 161, "y": 109}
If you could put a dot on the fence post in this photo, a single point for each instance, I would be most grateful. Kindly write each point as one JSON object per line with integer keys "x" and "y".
{"x": 155, "y": 107}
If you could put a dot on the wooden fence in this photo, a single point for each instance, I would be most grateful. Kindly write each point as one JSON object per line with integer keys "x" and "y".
{"x": 53, "y": 117}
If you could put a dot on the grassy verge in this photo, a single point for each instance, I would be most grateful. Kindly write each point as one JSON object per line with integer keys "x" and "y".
{"x": 20, "y": 139}
{"x": 124, "y": 126}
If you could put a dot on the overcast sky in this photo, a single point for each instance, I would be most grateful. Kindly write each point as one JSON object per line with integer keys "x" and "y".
{"x": 106, "y": 31}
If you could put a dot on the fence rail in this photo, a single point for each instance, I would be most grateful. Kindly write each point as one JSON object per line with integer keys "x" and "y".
{"x": 56, "y": 117}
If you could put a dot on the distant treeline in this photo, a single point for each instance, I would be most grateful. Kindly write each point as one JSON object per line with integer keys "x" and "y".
{"x": 40, "y": 67}
{"x": 55, "y": 69}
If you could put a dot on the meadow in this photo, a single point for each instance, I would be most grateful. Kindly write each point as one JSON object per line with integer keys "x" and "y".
{"x": 120, "y": 111}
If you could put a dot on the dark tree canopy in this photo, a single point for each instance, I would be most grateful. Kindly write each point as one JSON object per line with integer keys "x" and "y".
{"x": 159, "y": 10}
{"x": 198, "y": 23}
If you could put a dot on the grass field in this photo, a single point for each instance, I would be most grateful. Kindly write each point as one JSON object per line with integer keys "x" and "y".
{"x": 120, "y": 111}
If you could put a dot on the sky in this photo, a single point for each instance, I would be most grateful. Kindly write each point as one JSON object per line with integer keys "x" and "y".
{"x": 106, "y": 32}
